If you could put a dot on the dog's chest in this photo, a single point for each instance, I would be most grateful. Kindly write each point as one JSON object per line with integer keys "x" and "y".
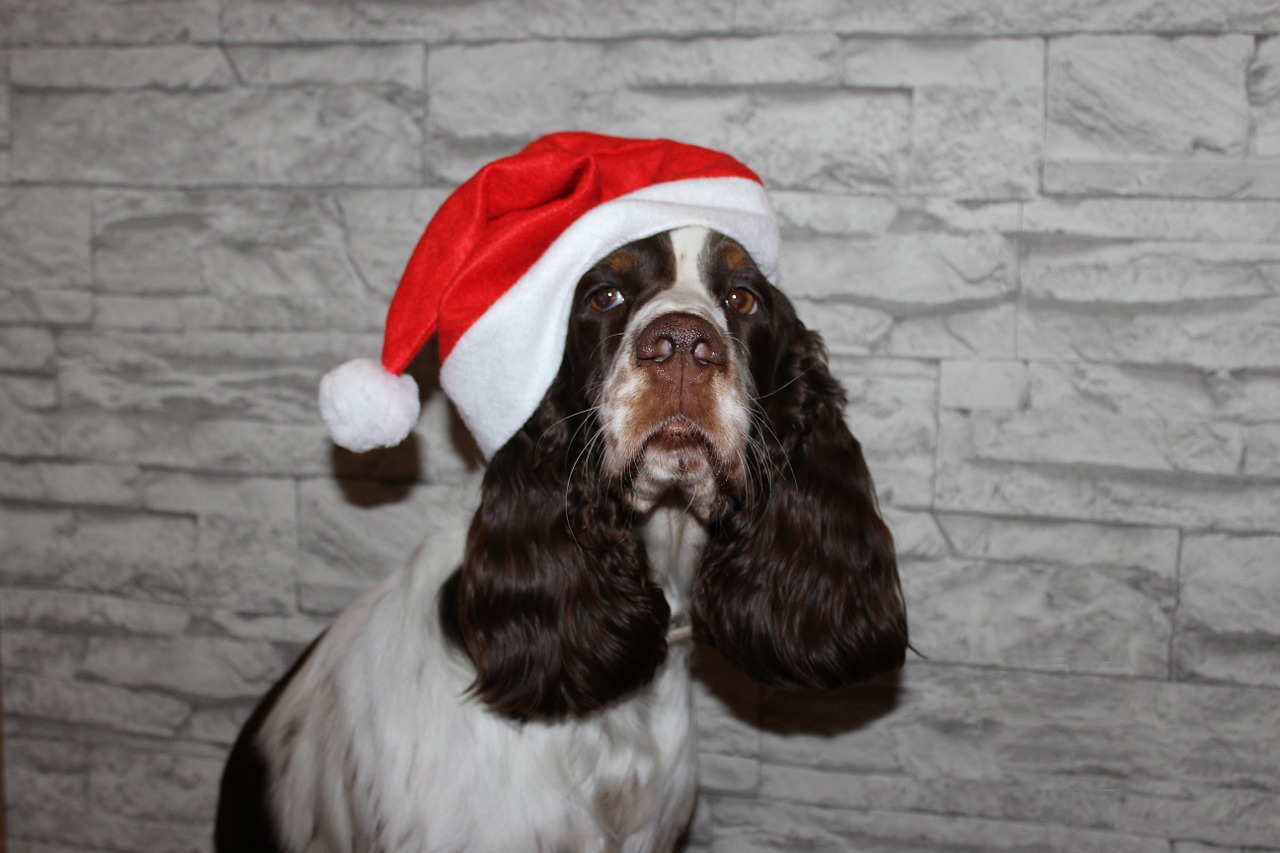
{"x": 638, "y": 761}
{"x": 401, "y": 760}
{"x": 621, "y": 781}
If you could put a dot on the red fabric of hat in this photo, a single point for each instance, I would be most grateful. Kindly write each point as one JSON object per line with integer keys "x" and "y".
{"x": 494, "y": 272}
{"x": 492, "y": 229}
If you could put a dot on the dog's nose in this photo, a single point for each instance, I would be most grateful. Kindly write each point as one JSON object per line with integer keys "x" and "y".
{"x": 681, "y": 346}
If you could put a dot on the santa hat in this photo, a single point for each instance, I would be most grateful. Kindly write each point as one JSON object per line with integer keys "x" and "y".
{"x": 495, "y": 272}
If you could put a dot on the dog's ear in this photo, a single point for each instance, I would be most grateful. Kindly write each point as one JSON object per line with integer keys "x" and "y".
{"x": 556, "y": 606}
{"x": 799, "y": 587}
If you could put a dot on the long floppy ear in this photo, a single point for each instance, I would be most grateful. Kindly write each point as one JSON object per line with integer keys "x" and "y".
{"x": 556, "y": 606}
{"x": 799, "y": 587}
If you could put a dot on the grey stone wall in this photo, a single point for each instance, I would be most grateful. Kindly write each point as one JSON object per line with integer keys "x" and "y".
{"x": 1042, "y": 239}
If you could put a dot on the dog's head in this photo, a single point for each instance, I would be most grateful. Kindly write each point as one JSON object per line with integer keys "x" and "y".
{"x": 687, "y": 381}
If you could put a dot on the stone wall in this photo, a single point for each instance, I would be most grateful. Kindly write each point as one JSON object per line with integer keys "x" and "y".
{"x": 1042, "y": 240}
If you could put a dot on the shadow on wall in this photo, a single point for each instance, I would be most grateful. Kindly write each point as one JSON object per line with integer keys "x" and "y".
{"x": 788, "y": 712}
{"x": 388, "y": 475}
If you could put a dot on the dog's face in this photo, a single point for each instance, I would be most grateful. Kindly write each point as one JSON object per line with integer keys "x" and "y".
{"x": 663, "y": 332}
{"x": 688, "y": 382}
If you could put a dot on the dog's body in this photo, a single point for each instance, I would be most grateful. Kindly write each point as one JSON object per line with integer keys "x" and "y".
{"x": 523, "y": 683}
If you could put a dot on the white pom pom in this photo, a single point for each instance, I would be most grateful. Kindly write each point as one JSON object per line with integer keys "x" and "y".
{"x": 368, "y": 406}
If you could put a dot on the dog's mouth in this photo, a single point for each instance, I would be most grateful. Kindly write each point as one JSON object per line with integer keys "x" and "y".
{"x": 678, "y": 434}
{"x": 678, "y": 462}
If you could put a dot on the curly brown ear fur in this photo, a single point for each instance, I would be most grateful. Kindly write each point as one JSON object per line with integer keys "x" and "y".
{"x": 799, "y": 587}
{"x": 555, "y": 602}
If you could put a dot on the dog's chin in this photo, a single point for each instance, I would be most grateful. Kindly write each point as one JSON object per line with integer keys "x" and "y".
{"x": 678, "y": 465}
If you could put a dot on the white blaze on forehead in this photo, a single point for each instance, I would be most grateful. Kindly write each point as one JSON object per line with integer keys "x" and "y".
{"x": 688, "y": 293}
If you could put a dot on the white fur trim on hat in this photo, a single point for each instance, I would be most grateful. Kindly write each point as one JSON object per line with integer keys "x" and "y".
{"x": 368, "y": 406}
{"x": 504, "y": 363}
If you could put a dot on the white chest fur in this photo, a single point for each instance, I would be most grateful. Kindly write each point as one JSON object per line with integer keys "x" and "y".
{"x": 375, "y": 745}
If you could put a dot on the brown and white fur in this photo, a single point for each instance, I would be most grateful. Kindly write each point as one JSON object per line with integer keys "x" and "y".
{"x": 523, "y": 683}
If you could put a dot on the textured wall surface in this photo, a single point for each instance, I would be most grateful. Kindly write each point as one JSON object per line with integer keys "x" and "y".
{"x": 1042, "y": 240}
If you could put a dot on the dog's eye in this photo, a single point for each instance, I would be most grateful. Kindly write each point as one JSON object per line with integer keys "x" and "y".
{"x": 604, "y": 299}
{"x": 742, "y": 301}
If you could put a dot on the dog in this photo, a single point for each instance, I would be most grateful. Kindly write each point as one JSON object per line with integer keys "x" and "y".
{"x": 523, "y": 683}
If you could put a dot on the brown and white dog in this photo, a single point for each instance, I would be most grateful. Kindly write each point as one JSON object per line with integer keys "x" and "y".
{"x": 523, "y": 683}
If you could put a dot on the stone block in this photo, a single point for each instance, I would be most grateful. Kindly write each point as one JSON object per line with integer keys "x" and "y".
{"x": 1123, "y": 96}
{"x": 1107, "y": 441}
{"x": 80, "y": 830}
{"x": 750, "y": 826}
{"x": 87, "y": 21}
{"x": 805, "y": 215}
{"x": 45, "y": 240}
{"x": 967, "y": 483}
{"x": 70, "y": 307}
{"x": 997, "y": 18}
{"x": 1185, "y": 179}
{"x": 1046, "y": 596}
{"x": 4, "y": 116}
{"x": 90, "y": 613}
{"x": 468, "y": 81}
{"x": 1262, "y": 451}
{"x": 42, "y": 653}
{"x": 995, "y": 385}
{"x": 1158, "y": 274}
{"x": 43, "y": 772}
{"x": 307, "y": 135}
{"x": 904, "y": 274}
{"x": 848, "y": 329}
{"x": 966, "y": 333}
{"x": 1201, "y": 305}
{"x": 1208, "y": 336}
{"x": 144, "y": 556}
{"x": 1139, "y": 393}
{"x": 997, "y": 63}
{"x": 1078, "y": 546}
{"x": 783, "y": 60}
{"x": 160, "y": 785}
{"x": 28, "y": 349}
{"x": 70, "y": 483}
{"x": 98, "y": 705}
{"x": 217, "y": 446}
{"x": 200, "y": 375}
{"x": 1127, "y": 756}
{"x": 916, "y": 534}
{"x": 977, "y": 143}
{"x": 809, "y": 214}
{"x": 176, "y": 67}
{"x": 247, "y": 545}
{"x": 833, "y": 141}
{"x": 1264, "y": 98}
{"x": 1226, "y": 504}
{"x": 219, "y": 724}
{"x": 248, "y": 244}
{"x": 1179, "y": 220}
{"x": 204, "y": 667}
{"x": 811, "y": 139}
{"x": 330, "y": 65}
{"x": 485, "y": 21}
{"x": 1226, "y": 625}
{"x": 256, "y": 314}
{"x": 26, "y": 428}
{"x": 474, "y": 90}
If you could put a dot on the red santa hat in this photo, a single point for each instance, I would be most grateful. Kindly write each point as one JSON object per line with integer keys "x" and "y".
{"x": 495, "y": 272}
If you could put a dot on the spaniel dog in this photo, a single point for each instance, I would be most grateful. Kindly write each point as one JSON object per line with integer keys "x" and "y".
{"x": 523, "y": 684}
